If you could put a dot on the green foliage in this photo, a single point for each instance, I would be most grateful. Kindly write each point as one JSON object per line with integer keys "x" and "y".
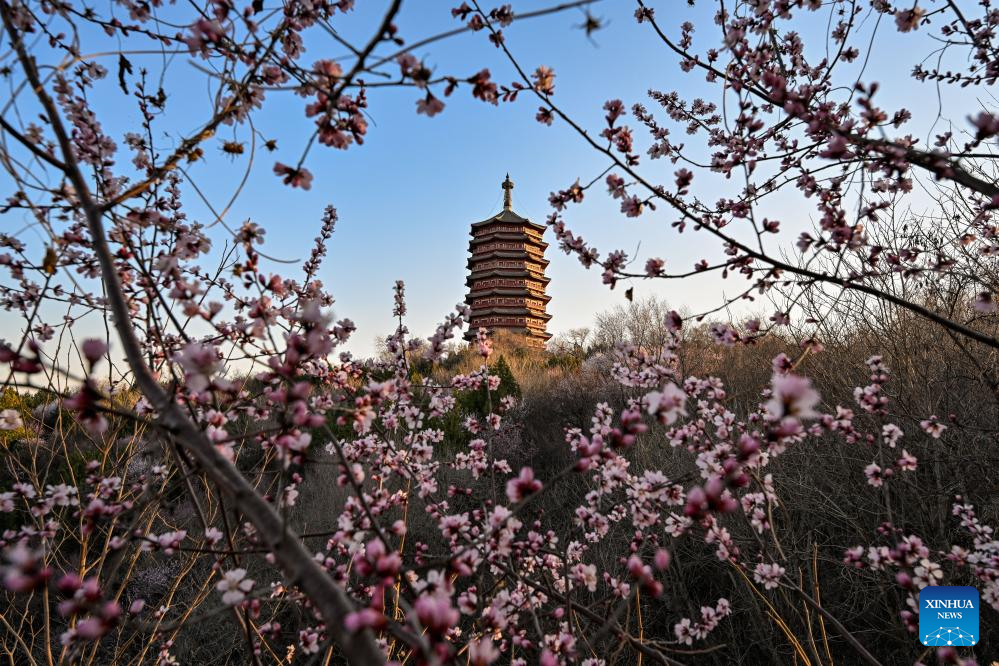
{"x": 508, "y": 383}
{"x": 568, "y": 361}
{"x": 477, "y": 403}
{"x": 456, "y": 438}
{"x": 419, "y": 366}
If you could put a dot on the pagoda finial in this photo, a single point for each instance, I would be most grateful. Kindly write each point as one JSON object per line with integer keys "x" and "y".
{"x": 507, "y": 189}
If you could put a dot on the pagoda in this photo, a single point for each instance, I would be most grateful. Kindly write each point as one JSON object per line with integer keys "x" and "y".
{"x": 506, "y": 275}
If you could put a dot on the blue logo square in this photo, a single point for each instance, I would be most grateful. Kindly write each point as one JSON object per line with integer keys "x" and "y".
{"x": 948, "y": 615}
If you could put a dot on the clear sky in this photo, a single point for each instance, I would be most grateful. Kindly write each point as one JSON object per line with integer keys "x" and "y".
{"x": 407, "y": 196}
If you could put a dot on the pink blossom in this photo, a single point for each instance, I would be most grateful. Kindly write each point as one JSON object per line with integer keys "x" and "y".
{"x": 874, "y": 474}
{"x": 485, "y": 345}
{"x": 768, "y": 575}
{"x": 666, "y": 405}
{"x": 724, "y": 334}
{"x": 199, "y": 363}
{"x": 309, "y": 640}
{"x": 544, "y": 80}
{"x": 907, "y": 462}
{"x": 523, "y": 485}
{"x": 585, "y": 575}
{"x": 93, "y": 350}
{"x": 430, "y": 106}
{"x": 986, "y": 124}
{"x": 907, "y": 20}
{"x": 792, "y": 396}
{"x": 482, "y": 652}
{"x": 435, "y": 613}
{"x": 10, "y": 419}
{"x": 932, "y": 427}
{"x": 300, "y": 177}
{"x": 891, "y": 433}
{"x": 364, "y": 619}
{"x": 781, "y": 364}
{"x": 655, "y": 267}
{"x": 234, "y": 586}
{"x": 632, "y": 206}
{"x": 25, "y": 570}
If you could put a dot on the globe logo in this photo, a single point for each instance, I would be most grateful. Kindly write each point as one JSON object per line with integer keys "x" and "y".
{"x": 948, "y": 616}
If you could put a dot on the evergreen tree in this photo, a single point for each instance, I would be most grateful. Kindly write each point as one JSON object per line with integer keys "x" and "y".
{"x": 476, "y": 403}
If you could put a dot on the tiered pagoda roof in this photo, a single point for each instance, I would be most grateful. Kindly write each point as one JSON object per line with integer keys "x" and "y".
{"x": 506, "y": 275}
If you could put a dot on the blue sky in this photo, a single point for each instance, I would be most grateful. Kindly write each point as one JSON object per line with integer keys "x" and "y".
{"x": 407, "y": 196}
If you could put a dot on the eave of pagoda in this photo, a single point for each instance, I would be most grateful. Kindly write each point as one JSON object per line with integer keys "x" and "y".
{"x": 509, "y": 311}
{"x": 507, "y": 216}
{"x": 524, "y": 251}
{"x": 516, "y": 292}
{"x": 507, "y": 236}
{"x": 520, "y": 300}
{"x": 508, "y": 320}
{"x": 505, "y": 273}
{"x": 490, "y": 263}
{"x": 508, "y": 255}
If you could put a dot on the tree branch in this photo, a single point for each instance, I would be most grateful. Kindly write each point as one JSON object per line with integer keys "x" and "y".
{"x": 296, "y": 562}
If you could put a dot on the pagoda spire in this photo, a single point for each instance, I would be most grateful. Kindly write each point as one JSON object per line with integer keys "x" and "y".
{"x": 507, "y": 196}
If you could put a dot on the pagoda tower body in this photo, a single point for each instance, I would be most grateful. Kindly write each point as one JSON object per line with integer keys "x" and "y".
{"x": 506, "y": 275}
